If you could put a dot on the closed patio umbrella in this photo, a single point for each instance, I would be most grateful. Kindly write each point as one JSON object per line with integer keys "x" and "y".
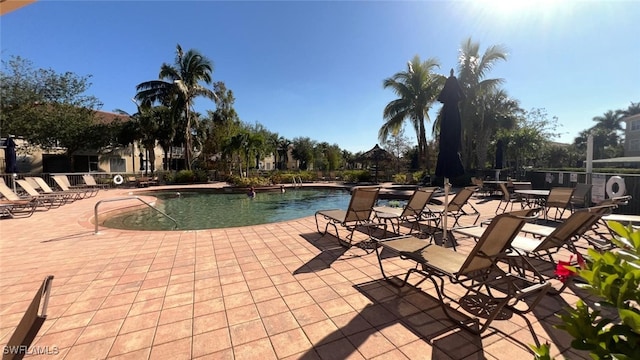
{"x": 449, "y": 163}
{"x": 10, "y": 156}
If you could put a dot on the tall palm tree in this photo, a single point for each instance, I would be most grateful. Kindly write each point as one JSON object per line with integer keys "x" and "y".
{"x": 179, "y": 85}
{"x": 500, "y": 112}
{"x": 143, "y": 127}
{"x": 417, "y": 89}
{"x": 472, "y": 70}
{"x": 611, "y": 120}
{"x": 166, "y": 131}
{"x": 633, "y": 109}
{"x": 283, "y": 152}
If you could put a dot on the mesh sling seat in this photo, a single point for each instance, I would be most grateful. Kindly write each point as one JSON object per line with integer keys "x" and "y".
{"x": 71, "y": 195}
{"x": 52, "y": 200}
{"x": 16, "y": 206}
{"x": 600, "y": 236}
{"x": 579, "y": 198}
{"x": 478, "y": 272}
{"x": 560, "y": 199}
{"x": 549, "y": 239}
{"x": 358, "y": 213}
{"x": 36, "y": 314}
{"x": 564, "y": 235}
{"x": 545, "y": 242}
{"x": 63, "y": 183}
{"x": 480, "y": 187}
{"x": 412, "y": 213}
{"x": 507, "y": 200}
{"x": 91, "y": 182}
{"x": 458, "y": 207}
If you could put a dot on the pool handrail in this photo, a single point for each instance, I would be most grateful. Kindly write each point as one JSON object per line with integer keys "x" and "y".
{"x": 95, "y": 209}
{"x": 295, "y": 183}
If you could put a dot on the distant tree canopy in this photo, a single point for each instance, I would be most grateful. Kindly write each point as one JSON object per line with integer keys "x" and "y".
{"x": 50, "y": 109}
{"x": 54, "y": 111}
{"x": 608, "y": 140}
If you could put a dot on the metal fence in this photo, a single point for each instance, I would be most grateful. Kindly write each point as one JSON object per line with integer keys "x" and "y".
{"x": 539, "y": 180}
{"x": 547, "y": 180}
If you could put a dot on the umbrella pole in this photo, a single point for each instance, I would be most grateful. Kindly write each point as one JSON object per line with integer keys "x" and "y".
{"x": 444, "y": 214}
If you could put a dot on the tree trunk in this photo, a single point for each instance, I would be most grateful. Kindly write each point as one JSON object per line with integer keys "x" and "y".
{"x": 152, "y": 159}
{"x": 482, "y": 148}
{"x": 187, "y": 139}
{"x": 422, "y": 147}
{"x": 165, "y": 156}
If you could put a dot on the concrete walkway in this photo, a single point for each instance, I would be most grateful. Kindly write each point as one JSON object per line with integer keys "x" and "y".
{"x": 273, "y": 291}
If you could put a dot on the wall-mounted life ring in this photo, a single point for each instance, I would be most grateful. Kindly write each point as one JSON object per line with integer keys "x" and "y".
{"x": 621, "y": 187}
{"x": 118, "y": 179}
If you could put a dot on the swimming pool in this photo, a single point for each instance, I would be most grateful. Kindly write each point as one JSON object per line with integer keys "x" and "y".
{"x": 195, "y": 210}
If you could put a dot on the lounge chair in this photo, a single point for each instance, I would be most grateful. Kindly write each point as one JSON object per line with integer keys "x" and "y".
{"x": 590, "y": 232}
{"x": 477, "y": 272}
{"x": 17, "y": 206}
{"x": 458, "y": 206}
{"x": 18, "y": 345}
{"x": 545, "y": 241}
{"x": 358, "y": 213}
{"x": 560, "y": 199}
{"x": 53, "y": 200}
{"x": 579, "y": 199}
{"x": 63, "y": 183}
{"x": 507, "y": 200}
{"x": 90, "y": 181}
{"x": 6, "y": 210}
{"x": 564, "y": 235}
{"x": 46, "y": 189}
{"x": 480, "y": 186}
{"x": 412, "y": 213}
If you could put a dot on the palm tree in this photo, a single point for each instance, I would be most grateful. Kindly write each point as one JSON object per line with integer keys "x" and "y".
{"x": 472, "y": 69}
{"x": 633, "y": 109}
{"x": 611, "y": 121}
{"x": 180, "y": 89}
{"x": 143, "y": 127}
{"x": 283, "y": 152}
{"x": 166, "y": 131}
{"x": 417, "y": 89}
{"x": 500, "y": 112}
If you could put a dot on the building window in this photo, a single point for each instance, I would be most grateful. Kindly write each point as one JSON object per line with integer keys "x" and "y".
{"x": 85, "y": 163}
{"x": 117, "y": 165}
{"x": 635, "y": 125}
{"x": 634, "y": 145}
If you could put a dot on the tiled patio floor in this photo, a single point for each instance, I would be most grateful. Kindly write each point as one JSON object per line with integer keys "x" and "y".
{"x": 274, "y": 291}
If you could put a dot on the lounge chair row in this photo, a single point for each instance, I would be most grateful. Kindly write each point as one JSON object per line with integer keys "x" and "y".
{"x": 40, "y": 195}
{"x": 363, "y": 213}
{"x": 498, "y": 272}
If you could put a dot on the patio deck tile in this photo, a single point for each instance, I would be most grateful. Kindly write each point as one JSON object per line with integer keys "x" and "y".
{"x": 273, "y": 291}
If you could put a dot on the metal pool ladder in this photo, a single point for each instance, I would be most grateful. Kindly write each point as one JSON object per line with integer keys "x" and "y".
{"x": 295, "y": 183}
{"x": 95, "y": 209}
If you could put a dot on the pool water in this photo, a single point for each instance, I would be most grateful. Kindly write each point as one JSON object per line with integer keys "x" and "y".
{"x": 200, "y": 210}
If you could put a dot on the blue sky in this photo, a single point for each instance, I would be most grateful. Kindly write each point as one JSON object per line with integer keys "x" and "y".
{"x": 315, "y": 69}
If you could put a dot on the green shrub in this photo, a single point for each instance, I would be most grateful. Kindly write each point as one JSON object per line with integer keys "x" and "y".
{"x": 201, "y": 176}
{"x": 287, "y": 177}
{"x": 239, "y": 181}
{"x": 184, "y": 177}
{"x": 400, "y": 178}
{"x": 355, "y": 176}
{"x": 613, "y": 276}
